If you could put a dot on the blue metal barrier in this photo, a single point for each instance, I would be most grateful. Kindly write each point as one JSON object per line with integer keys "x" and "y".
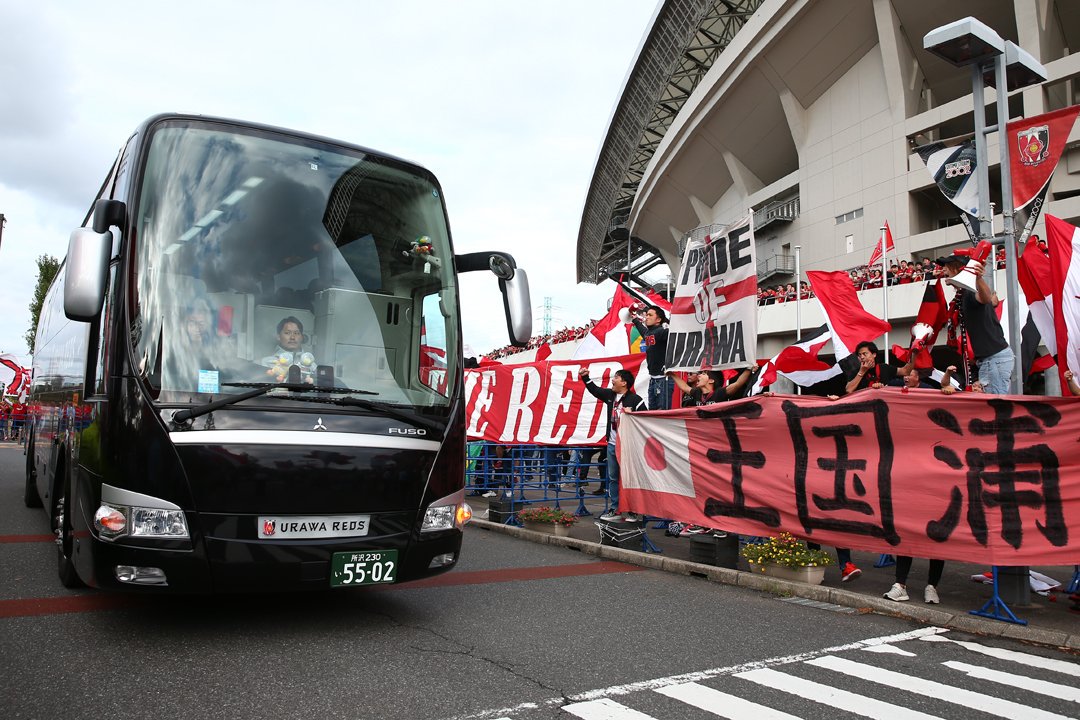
{"x": 534, "y": 474}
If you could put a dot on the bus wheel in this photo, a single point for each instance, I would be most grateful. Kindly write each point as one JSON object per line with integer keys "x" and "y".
{"x": 65, "y": 542}
{"x": 31, "y": 498}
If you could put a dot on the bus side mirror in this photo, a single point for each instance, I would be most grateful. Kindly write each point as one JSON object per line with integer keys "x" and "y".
{"x": 85, "y": 273}
{"x": 518, "y": 306}
{"x": 514, "y": 285}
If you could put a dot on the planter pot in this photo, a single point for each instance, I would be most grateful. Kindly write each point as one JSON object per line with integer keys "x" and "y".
{"x": 809, "y": 575}
{"x": 557, "y": 530}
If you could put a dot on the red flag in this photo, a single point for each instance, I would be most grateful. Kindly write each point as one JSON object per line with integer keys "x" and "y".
{"x": 543, "y": 352}
{"x": 848, "y": 321}
{"x": 1064, "y": 242}
{"x": 1036, "y": 147}
{"x": 875, "y": 257}
{"x": 611, "y": 334}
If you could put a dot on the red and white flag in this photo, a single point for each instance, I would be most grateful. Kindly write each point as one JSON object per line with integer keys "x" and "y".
{"x": 849, "y": 323}
{"x": 798, "y": 362}
{"x": 1064, "y": 242}
{"x": 1033, "y": 272}
{"x": 875, "y": 257}
{"x": 610, "y": 337}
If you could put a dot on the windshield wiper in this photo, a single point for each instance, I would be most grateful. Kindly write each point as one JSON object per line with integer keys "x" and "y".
{"x": 182, "y": 416}
{"x": 414, "y": 420}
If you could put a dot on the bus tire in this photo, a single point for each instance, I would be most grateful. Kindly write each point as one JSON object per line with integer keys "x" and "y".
{"x": 31, "y": 498}
{"x": 65, "y": 541}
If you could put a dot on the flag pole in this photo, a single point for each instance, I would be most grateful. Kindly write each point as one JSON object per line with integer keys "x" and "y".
{"x": 798, "y": 292}
{"x": 798, "y": 302}
{"x": 885, "y": 288}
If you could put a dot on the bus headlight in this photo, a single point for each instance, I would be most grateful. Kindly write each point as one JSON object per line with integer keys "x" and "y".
{"x": 115, "y": 521}
{"x": 154, "y": 522}
{"x": 439, "y": 517}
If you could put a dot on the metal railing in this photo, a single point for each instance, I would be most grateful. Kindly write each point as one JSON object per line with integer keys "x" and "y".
{"x": 776, "y": 265}
{"x": 785, "y": 210}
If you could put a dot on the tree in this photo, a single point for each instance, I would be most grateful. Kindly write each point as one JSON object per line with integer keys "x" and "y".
{"x": 47, "y": 268}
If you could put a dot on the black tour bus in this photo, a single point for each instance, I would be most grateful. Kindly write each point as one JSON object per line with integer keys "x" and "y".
{"x": 248, "y": 371}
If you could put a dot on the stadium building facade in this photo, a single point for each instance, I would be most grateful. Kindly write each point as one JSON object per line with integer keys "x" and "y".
{"x": 807, "y": 112}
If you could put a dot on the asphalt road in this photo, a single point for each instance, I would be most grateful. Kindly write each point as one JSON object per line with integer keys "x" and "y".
{"x": 517, "y": 630}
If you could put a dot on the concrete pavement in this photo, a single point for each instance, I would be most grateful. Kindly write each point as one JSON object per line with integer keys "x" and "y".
{"x": 1051, "y": 621}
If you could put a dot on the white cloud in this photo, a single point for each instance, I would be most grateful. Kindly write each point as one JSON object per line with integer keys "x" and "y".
{"x": 506, "y": 103}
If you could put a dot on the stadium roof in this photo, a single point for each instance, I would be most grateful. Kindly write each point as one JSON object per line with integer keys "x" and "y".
{"x": 684, "y": 41}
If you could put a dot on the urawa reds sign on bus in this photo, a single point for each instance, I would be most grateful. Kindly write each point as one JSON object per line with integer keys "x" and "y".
{"x": 540, "y": 403}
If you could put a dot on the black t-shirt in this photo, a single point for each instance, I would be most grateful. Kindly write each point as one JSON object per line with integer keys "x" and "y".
{"x": 883, "y": 374}
{"x": 983, "y": 328}
{"x": 655, "y": 341}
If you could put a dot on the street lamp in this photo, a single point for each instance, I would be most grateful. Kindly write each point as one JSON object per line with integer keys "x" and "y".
{"x": 1005, "y": 66}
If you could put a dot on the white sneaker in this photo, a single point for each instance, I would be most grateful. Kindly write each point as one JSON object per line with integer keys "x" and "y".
{"x": 897, "y": 592}
{"x": 632, "y": 517}
{"x": 611, "y": 515}
{"x": 489, "y": 494}
{"x": 930, "y": 595}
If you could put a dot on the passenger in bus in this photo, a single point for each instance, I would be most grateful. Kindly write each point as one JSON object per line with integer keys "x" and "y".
{"x": 197, "y": 323}
{"x": 290, "y": 351}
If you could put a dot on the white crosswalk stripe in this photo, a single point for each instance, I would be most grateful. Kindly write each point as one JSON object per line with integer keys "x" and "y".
{"x": 722, "y": 704}
{"x": 1035, "y": 661}
{"x": 1042, "y": 687}
{"x": 605, "y": 709}
{"x": 833, "y": 697}
{"x": 757, "y": 689}
{"x": 936, "y": 690}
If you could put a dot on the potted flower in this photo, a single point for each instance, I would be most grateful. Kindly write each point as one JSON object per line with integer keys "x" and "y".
{"x": 787, "y": 558}
{"x": 546, "y": 519}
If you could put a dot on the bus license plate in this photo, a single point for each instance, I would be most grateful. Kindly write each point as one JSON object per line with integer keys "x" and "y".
{"x": 370, "y": 567}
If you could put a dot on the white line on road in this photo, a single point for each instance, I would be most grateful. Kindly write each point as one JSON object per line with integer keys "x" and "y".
{"x": 605, "y": 709}
{"x": 616, "y": 690}
{"x": 833, "y": 697}
{"x": 936, "y": 690}
{"x": 722, "y": 704}
{"x": 1042, "y": 687}
{"x": 1035, "y": 661}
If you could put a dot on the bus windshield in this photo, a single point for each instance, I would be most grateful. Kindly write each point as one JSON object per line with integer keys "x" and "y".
{"x": 261, "y": 257}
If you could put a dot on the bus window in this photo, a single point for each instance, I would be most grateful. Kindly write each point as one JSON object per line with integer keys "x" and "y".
{"x": 432, "y": 363}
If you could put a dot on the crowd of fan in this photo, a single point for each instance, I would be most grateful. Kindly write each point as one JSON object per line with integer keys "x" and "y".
{"x": 866, "y": 277}
{"x": 863, "y": 277}
{"x": 559, "y": 336}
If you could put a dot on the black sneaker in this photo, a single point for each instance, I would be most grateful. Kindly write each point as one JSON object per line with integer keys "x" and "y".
{"x": 601, "y": 491}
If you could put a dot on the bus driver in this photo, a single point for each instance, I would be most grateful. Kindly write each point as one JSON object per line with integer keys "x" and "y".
{"x": 290, "y": 351}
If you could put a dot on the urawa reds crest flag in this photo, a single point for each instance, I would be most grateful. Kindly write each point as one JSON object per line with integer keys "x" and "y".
{"x": 1036, "y": 147}
{"x": 713, "y": 320}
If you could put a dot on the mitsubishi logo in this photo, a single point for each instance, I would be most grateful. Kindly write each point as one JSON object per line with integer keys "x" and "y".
{"x": 319, "y": 425}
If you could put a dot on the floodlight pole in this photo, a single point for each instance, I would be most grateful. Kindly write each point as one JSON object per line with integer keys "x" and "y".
{"x": 1012, "y": 284}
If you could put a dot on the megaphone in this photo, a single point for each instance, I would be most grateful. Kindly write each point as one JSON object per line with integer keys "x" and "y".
{"x": 921, "y": 334}
{"x": 969, "y": 275}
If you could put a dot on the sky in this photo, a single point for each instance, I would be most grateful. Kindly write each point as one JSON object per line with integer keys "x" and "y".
{"x": 507, "y": 103}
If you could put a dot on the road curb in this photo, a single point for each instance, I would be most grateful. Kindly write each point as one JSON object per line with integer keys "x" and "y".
{"x": 837, "y": 596}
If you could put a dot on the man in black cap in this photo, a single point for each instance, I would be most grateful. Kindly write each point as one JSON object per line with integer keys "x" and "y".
{"x": 976, "y": 313}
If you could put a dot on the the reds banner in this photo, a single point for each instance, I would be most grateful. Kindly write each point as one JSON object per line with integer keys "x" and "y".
{"x": 540, "y": 403}
{"x": 713, "y": 319}
{"x": 971, "y": 477}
